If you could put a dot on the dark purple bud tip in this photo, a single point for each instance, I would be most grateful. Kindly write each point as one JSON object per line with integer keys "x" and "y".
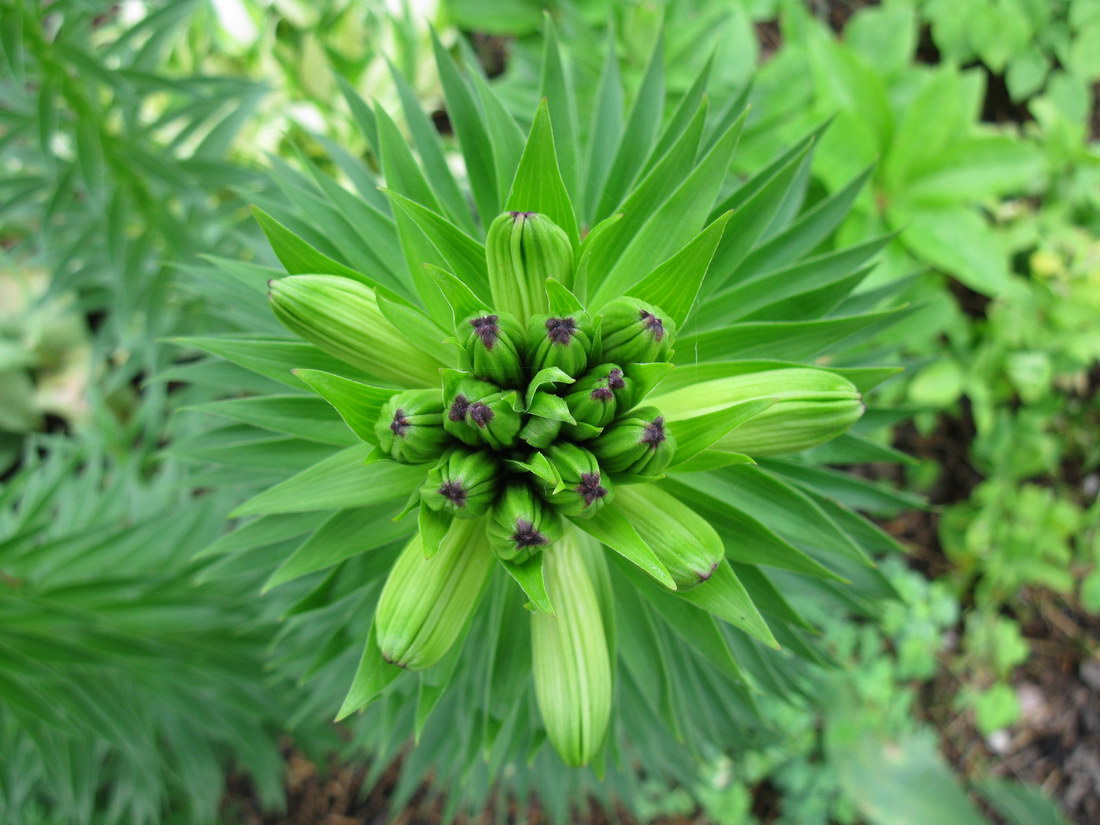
{"x": 458, "y": 408}
{"x": 480, "y": 413}
{"x": 590, "y": 488}
{"x": 704, "y": 576}
{"x": 486, "y": 329}
{"x": 654, "y": 325}
{"x": 400, "y": 425}
{"x": 603, "y": 394}
{"x": 653, "y": 434}
{"x": 615, "y": 379}
{"x": 561, "y": 330}
{"x": 455, "y": 492}
{"x": 527, "y": 536}
{"x": 516, "y": 216}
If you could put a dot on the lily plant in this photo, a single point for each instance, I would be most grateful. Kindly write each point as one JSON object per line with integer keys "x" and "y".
{"x": 567, "y": 407}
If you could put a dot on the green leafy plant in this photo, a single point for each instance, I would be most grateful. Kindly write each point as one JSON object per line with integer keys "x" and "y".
{"x": 127, "y": 693}
{"x": 512, "y": 370}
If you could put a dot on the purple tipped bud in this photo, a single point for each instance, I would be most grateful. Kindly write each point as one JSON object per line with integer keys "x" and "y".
{"x": 564, "y": 342}
{"x": 638, "y": 444}
{"x": 522, "y": 524}
{"x": 596, "y": 399}
{"x": 463, "y": 483}
{"x": 410, "y": 427}
{"x": 586, "y": 488}
{"x": 635, "y": 332}
{"x": 492, "y": 348}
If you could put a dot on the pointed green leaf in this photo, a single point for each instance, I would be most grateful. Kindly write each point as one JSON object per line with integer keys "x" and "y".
{"x": 346, "y": 533}
{"x": 612, "y": 528}
{"x": 461, "y": 298}
{"x": 538, "y": 185}
{"x": 529, "y": 577}
{"x": 675, "y": 284}
{"x": 357, "y": 403}
{"x": 693, "y": 435}
{"x": 340, "y": 481}
{"x": 724, "y": 596}
{"x": 373, "y": 675}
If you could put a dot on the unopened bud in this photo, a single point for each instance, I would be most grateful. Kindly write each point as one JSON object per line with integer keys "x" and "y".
{"x": 491, "y": 348}
{"x": 636, "y": 332}
{"x": 563, "y": 341}
{"x": 522, "y": 525}
{"x": 595, "y": 399}
{"x": 522, "y": 250}
{"x": 540, "y": 432}
{"x": 812, "y": 406}
{"x": 341, "y": 317}
{"x": 479, "y": 413}
{"x": 410, "y": 427}
{"x": 570, "y": 658}
{"x": 585, "y": 488}
{"x": 640, "y": 444}
{"x": 463, "y": 483}
{"x": 426, "y": 602}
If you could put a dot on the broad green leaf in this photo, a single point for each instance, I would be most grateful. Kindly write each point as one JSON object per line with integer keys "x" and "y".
{"x": 811, "y": 228}
{"x": 344, "y": 534}
{"x": 340, "y": 481}
{"x": 674, "y": 285}
{"x": 272, "y": 357}
{"x": 724, "y": 596}
{"x": 677, "y": 220}
{"x": 639, "y": 134}
{"x": 358, "y": 404}
{"x": 767, "y": 596}
{"x": 538, "y": 185}
{"x": 856, "y": 493}
{"x": 462, "y": 300}
{"x": 746, "y": 297}
{"x": 693, "y": 435}
{"x": 299, "y": 257}
{"x": 465, "y": 256}
{"x": 784, "y": 339}
{"x": 606, "y": 127}
{"x": 504, "y": 132}
{"x": 428, "y": 146}
{"x": 556, "y": 87}
{"x": 529, "y": 577}
{"x": 263, "y": 532}
{"x": 612, "y": 528}
{"x": 403, "y": 174}
{"x": 473, "y": 138}
{"x": 297, "y": 415}
{"x": 747, "y": 539}
{"x": 812, "y": 303}
{"x": 373, "y": 675}
{"x": 750, "y": 221}
{"x": 693, "y": 624}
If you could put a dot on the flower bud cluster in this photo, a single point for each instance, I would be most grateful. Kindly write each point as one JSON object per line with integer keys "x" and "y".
{"x": 555, "y": 390}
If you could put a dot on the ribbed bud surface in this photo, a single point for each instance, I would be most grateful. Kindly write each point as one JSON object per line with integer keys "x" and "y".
{"x": 426, "y": 602}
{"x": 341, "y": 317}
{"x": 522, "y": 250}
{"x": 572, "y": 666}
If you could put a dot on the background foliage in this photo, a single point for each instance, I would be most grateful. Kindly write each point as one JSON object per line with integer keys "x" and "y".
{"x": 131, "y": 142}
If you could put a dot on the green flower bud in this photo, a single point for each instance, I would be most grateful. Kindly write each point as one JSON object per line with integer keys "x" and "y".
{"x": 585, "y": 490}
{"x": 685, "y": 542}
{"x": 570, "y": 659}
{"x": 639, "y": 444}
{"x": 410, "y": 427}
{"x": 522, "y": 524}
{"x": 427, "y": 602}
{"x": 812, "y": 406}
{"x": 341, "y": 316}
{"x": 595, "y": 399}
{"x": 540, "y": 432}
{"x": 491, "y": 351}
{"x": 522, "y": 250}
{"x": 463, "y": 483}
{"x": 478, "y": 413}
{"x": 564, "y": 342}
{"x": 636, "y": 332}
